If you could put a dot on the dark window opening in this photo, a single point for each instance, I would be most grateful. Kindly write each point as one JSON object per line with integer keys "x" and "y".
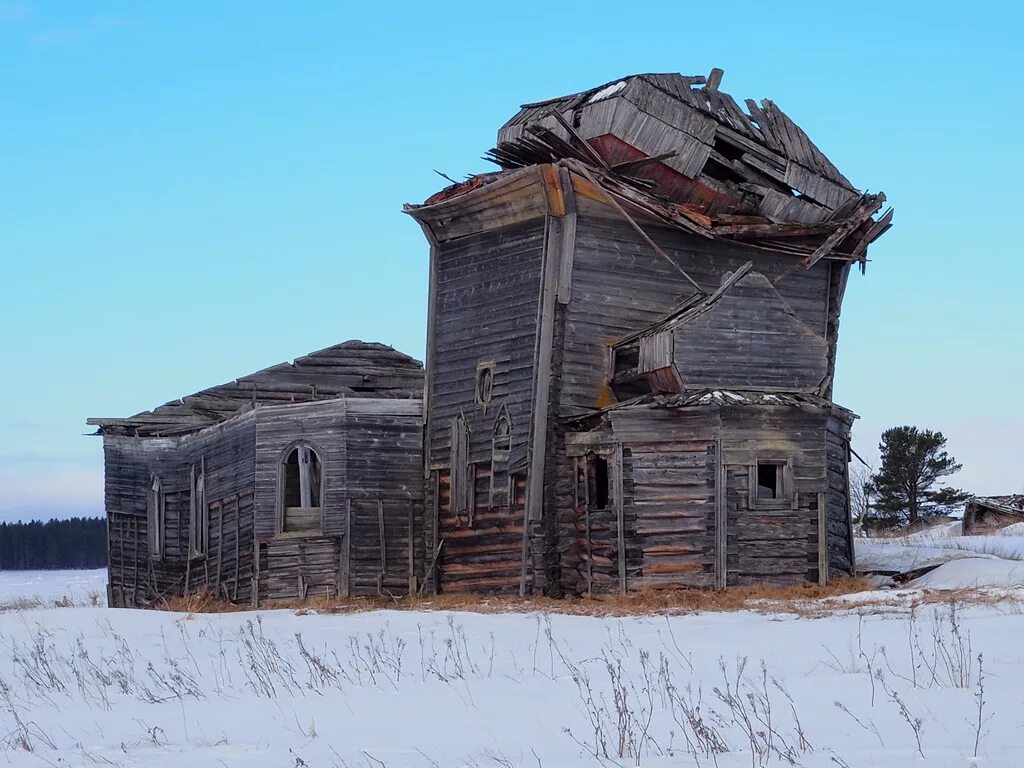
{"x": 769, "y": 480}
{"x": 597, "y": 481}
{"x": 302, "y": 481}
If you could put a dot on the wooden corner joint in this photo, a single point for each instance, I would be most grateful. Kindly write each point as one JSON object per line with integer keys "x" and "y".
{"x": 553, "y": 191}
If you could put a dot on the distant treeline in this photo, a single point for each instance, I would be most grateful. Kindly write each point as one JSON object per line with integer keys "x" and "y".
{"x": 76, "y": 543}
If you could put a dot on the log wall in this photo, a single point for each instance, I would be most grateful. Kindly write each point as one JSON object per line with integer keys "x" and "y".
{"x": 672, "y": 463}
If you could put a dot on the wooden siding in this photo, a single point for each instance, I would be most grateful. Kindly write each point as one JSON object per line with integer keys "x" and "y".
{"x": 672, "y": 463}
{"x": 486, "y": 310}
{"x": 749, "y": 339}
{"x": 620, "y": 285}
{"x": 227, "y": 452}
{"x": 671, "y": 473}
{"x": 773, "y": 545}
{"x": 482, "y": 554}
{"x": 840, "y": 530}
{"x": 322, "y": 426}
{"x": 371, "y": 454}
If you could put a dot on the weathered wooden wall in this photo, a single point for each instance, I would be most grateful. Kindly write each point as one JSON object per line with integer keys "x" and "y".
{"x": 773, "y": 545}
{"x": 487, "y": 289}
{"x": 620, "y": 285}
{"x": 683, "y": 472}
{"x": 481, "y": 552}
{"x": 372, "y": 539}
{"x": 841, "y": 558}
{"x": 750, "y": 339}
{"x": 227, "y": 452}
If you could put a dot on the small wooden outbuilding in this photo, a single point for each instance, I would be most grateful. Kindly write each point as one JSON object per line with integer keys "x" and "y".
{"x": 985, "y": 514}
{"x": 300, "y": 480}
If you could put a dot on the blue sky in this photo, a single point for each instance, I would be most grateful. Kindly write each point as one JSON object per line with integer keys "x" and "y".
{"x": 191, "y": 191}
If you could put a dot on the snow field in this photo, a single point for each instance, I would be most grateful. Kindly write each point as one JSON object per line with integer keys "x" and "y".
{"x": 95, "y": 686}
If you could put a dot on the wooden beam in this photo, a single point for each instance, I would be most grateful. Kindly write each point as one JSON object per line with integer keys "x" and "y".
{"x": 620, "y": 515}
{"x": 542, "y": 374}
{"x": 721, "y": 519}
{"x": 568, "y": 245}
{"x": 383, "y": 546}
{"x": 345, "y": 566}
{"x": 822, "y": 539}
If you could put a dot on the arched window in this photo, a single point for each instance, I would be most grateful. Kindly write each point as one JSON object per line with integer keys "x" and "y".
{"x": 300, "y": 482}
{"x": 155, "y": 517}
{"x": 501, "y": 446}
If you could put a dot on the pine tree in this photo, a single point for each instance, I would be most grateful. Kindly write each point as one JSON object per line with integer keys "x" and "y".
{"x": 75, "y": 543}
{"x": 913, "y": 462}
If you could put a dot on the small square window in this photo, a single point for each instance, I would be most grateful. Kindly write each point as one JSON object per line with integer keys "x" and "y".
{"x": 770, "y": 484}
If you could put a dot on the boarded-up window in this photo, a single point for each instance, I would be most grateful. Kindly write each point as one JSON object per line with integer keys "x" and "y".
{"x": 155, "y": 517}
{"x": 462, "y": 479}
{"x": 501, "y": 446}
{"x": 301, "y": 489}
{"x": 199, "y": 511}
{"x": 484, "y": 382}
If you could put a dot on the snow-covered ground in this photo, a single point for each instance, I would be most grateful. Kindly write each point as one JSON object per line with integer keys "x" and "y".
{"x": 996, "y": 560}
{"x": 860, "y": 687}
{"x": 52, "y": 587}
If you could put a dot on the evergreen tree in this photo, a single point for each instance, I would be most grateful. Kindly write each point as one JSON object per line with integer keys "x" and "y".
{"x": 913, "y": 462}
{"x": 75, "y": 543}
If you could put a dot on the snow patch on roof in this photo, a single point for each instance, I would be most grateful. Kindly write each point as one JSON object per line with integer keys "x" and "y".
{"x": 608, "y": 90}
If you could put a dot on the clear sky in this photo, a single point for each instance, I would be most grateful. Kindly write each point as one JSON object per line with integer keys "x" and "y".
{"x": 191, "y": 191}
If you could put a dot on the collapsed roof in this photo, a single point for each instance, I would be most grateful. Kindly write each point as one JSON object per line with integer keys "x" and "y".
{"x": 684, "y": 151}
{"x": 350, "y": 369}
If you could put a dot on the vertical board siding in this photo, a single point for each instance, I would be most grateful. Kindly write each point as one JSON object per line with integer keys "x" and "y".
{"x": 486, "y": 310}
{"x": 227, "y": 452}
{"x": 369, "y": 451}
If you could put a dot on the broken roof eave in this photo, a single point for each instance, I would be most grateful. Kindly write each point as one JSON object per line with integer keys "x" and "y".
{"x": 725, "y": 397}
{"x": 460, "y": 212}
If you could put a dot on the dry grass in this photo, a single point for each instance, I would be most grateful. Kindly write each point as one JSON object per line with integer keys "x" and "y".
{"x": 806, "y": 600}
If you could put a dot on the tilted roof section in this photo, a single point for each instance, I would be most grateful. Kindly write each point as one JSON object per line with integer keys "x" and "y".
{"x": 350, "y": 369}
{"x": 680, "y": 148}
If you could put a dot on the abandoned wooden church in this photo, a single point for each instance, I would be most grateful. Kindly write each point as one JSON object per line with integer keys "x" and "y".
{"x": 631, "y": 340}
